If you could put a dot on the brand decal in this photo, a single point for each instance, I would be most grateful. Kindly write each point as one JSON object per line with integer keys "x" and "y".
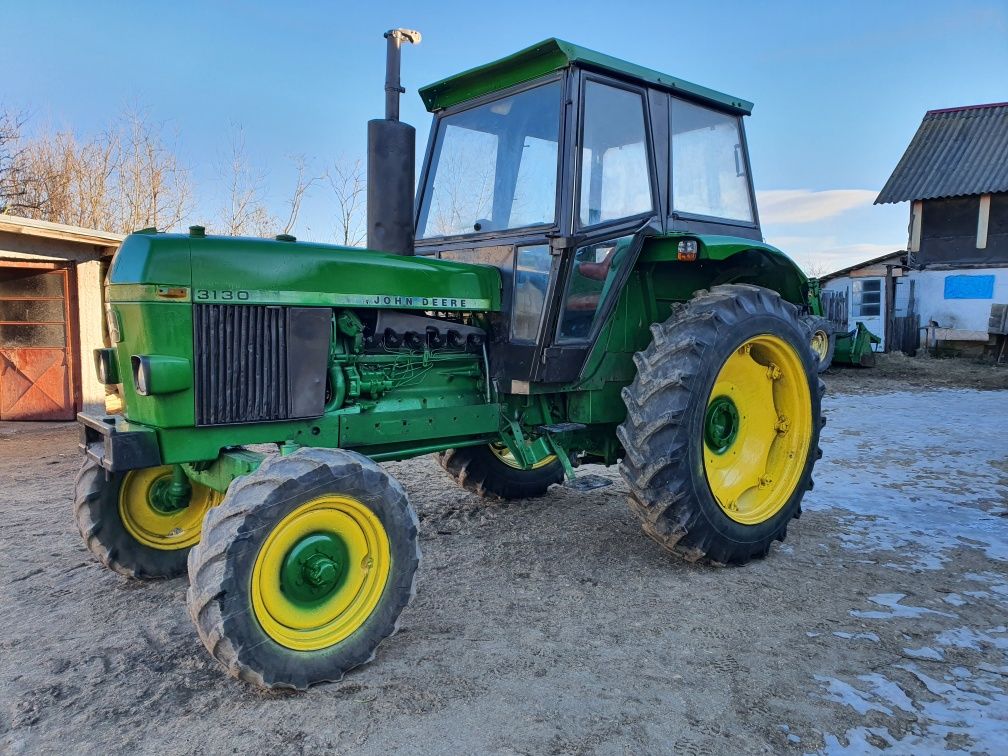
{"x": 319, "y": 298}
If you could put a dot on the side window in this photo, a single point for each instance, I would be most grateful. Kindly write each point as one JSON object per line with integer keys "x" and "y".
{"x": 708, "y": 163}
{"x": 868, "y": 297}
{"x": 531, "y": 279}
{"x": 591, "y": 281}
{"x": 615, "y": 181}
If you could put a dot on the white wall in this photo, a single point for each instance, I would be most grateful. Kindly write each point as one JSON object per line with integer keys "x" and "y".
{"x": 964, "y": 314}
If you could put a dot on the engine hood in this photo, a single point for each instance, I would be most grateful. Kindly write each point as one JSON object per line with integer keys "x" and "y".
{"x": 238, "y": 270}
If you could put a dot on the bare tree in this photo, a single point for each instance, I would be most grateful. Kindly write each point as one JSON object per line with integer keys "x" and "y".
{"x": 349, "y": 186}
{"x": 244, "y": 212}
{"x": 815, "y": 268}
{"x": 10, "y": 140}
{"x": 301, "y": 186}
{"x": 123, "y": 179}
{"x": 153, "y": 186}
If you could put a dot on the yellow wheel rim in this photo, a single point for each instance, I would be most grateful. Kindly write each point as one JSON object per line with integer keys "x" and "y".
{"x": 149, "y": 523}
{"x": 820, "y": 344}
{"x": 305, "y": 617}
{"x": 757, "y": 429}
{"x": 504, "y": 455}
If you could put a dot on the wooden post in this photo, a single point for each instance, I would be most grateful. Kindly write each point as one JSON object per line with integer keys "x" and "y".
{"x": 982, "y": 221}
{"x": 890, "y": 308}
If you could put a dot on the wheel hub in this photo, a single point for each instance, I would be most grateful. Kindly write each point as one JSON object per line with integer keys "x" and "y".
{"x": 721, "y": 424}
{"x": 314, "y": 568}
{"x": 165, "y": 499}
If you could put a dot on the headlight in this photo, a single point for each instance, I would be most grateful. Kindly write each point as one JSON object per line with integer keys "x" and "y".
{"x": 112, "y": 320}
{"x": 106, "y": 366}
{"x": 157, "y": 374}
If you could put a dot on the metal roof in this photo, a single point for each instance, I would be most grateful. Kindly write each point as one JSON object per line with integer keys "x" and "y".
{"x": 956, "y": 152}
{"x": 551, "y": 55}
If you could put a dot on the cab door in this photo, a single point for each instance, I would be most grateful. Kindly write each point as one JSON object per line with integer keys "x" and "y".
{"x": 615, "y": 205}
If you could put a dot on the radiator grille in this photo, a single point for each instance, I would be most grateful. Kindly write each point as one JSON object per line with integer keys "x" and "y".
{"x": 241, "y": 363}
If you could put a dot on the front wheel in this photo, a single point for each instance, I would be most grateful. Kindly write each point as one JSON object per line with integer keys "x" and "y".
{"x": 132, "y": 523}
{"x": 304, "y": 568}
{"x": 722, "y": 426}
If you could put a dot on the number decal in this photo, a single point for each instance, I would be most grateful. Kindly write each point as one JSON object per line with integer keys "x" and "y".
{"x": 222, "y": 295}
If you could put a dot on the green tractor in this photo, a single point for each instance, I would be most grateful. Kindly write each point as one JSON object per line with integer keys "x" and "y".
{"x": 832, "y": 341}
{"x": 581, "y": 279}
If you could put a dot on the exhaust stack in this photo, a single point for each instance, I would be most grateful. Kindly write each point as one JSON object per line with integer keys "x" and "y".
{"x": 390, "y": 162}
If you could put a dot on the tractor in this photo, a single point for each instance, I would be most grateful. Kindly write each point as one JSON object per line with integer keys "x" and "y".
{"x": 578, "y": 276}
{"x": 832, "y": 341}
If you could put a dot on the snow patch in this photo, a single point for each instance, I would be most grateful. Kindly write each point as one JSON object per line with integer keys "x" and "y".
{"x": 891, "y": 479}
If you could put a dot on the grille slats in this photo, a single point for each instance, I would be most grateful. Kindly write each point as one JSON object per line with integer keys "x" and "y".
{"x": 241, "y": 364}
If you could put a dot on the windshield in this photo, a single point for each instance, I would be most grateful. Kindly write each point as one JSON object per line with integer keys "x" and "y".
{"x": 494, "y": 167}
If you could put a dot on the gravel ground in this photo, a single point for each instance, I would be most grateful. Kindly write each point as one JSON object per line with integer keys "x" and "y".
{"x": 554, "y": 626}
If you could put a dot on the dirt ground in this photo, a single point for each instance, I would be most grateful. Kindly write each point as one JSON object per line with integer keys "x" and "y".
{"x": 554, "y": 626}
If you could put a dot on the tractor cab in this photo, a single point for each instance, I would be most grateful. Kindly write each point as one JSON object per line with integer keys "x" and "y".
{"x": 556, "y": 165}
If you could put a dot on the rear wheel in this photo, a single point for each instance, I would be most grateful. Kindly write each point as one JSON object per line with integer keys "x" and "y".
{"x": 132, "y": 523}
{"x": 304, "y": 568}
{"x": 722, "y": 425}
{"x": 492, "y": 471}
{"x": 822, "y": 341}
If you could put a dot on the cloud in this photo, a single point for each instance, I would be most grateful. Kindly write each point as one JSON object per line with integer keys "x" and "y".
{"x": 808, "y": 206}
{"x": 819, "y": 255}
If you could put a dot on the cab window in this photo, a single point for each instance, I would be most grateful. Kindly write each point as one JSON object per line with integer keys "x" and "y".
{"x": 614, "y": 182}
{"x": 709, "y": 172}
{"x": 494, "y": 166}
{"x": 593, "y": 275}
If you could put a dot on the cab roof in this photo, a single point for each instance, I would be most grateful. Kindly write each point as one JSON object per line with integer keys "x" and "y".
{"x": 552, "y": 55}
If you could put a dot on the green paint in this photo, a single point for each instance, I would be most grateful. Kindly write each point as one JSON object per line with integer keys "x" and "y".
{"x": 302, "y": 273}
{"x": 314, "y": 568}
{"x": 167, "y": 497}
{"x": 552, "y": 55}
{"x": 225, "y": 468}
{"x": 855, "y": 348}
{"x": 721, "y": 424}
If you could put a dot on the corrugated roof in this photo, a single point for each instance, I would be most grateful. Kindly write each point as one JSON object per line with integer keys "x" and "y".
{"x": 956, "y": 152}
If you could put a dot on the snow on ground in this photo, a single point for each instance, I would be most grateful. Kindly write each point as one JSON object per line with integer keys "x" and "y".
{"x": 933, "y": 481}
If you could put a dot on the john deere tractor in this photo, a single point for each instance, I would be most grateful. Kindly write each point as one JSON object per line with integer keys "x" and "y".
{"x": 580, "y": 278}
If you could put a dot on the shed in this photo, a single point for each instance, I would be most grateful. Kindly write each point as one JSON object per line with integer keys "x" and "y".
{"x": 954, "y": 174}
{"x": 51, "y": 317}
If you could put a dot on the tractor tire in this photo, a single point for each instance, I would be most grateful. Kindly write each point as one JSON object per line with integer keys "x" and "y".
{"x": 304, "y": 568}
{"x": 823, "y": 341}
{"x": 119, "y": 526}
{"x": 480, "y": 470}
{"x": 722, "y": 426}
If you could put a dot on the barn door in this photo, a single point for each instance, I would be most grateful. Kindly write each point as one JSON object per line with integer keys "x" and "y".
{"x": 35, "y": 345}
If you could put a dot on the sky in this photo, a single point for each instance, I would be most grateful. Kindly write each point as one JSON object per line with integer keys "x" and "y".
{"x": 839, "y": 88}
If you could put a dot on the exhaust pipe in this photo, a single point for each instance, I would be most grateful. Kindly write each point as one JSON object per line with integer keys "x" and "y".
{"x": 391, "y": 161}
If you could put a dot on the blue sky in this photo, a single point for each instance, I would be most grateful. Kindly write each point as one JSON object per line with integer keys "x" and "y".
{"x": 839, "y": 87}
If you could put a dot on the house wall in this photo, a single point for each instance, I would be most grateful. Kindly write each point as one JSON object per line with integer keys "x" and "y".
{"x": 962, "y": 231}
{"x": 959, "y": 298}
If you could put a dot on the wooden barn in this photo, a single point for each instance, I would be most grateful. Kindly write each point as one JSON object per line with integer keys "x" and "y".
{"x": 51, "y": 318}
